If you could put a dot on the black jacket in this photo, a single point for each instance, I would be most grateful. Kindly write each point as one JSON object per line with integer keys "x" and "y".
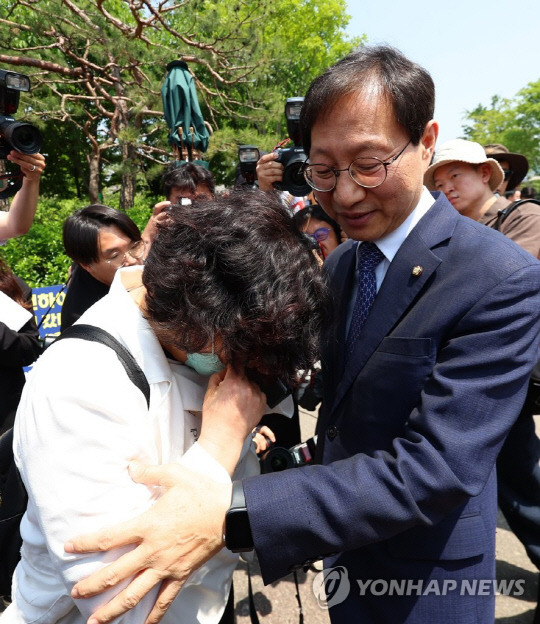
{"x": 17, "y": 349}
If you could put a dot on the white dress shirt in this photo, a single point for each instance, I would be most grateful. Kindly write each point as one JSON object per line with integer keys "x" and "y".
{"x": 79, "y": 424}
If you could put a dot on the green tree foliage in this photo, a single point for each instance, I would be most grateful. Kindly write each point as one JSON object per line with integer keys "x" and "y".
{"x": 39, "y": 257}
{"x": 67, "y": 170}
{"x": 512, "y": 122}
{"x": 98, "y": 65}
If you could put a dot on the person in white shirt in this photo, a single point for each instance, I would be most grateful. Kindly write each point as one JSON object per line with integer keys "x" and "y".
{"x": 229, "y": 284}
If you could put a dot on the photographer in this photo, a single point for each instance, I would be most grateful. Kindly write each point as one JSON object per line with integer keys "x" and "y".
{"x": 19, "y": 342}
{"x": 283, "y": 168}
{"x": 19, "y": 218}
{"x": 19, "y": 346}
{"x": 20, "y": 143}
{"x": 180, "y": 182}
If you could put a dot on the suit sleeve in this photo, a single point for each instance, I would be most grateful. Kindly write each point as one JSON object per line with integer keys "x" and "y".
{"x": 19, "y": 348}
{"x": 445, "y": 455}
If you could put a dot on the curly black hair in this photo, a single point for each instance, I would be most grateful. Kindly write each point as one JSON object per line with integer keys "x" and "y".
{"x": 239, "y": 268}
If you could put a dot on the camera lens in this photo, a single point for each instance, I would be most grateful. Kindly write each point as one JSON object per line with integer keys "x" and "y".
{"x": 23, "y": 137}
{"x": 276, "y": 460}
{"x": 293, "y": 177}
{"x": 294, "y": 181}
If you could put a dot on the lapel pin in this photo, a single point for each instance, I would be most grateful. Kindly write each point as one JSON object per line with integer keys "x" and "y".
{"x": 417, "y": 270}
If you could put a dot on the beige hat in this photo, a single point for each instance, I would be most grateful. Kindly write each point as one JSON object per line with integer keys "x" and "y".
{"x": 459, "y": 150}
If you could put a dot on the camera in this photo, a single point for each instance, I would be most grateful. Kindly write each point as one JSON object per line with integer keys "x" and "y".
{"x": 293, "y": 158}
{"x": 180, "y": 203}
{"x": 17, "y": 135}
{"x": 278, "y": 458}
{"x": 274, "y": 388}
{"x": 248, "y": 156}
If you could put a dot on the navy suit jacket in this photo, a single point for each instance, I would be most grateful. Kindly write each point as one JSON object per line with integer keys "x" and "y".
{"x": 410, "y": 427}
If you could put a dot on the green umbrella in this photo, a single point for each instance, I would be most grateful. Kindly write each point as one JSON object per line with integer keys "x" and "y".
{"x": 182, "y": 111}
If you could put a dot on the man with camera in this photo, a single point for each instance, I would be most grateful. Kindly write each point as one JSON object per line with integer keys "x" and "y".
{"x": 425, "y": 369}
{"x": 181, "y": 184}
{"x": 269, "y": 171}
{"x": 282, "y": 169}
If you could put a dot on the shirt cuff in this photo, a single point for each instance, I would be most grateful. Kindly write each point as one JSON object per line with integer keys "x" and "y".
{"x": 199, "y": 460}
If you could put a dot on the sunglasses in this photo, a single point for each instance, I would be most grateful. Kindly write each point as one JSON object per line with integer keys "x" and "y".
{"x": 507, "y": 174}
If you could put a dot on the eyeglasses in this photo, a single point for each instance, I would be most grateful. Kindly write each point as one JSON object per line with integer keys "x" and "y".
{"x": 368, "y": 172}
{"x": 507, "y": 174}
{"x": 321, "y": 234}
{"x": 117, "y": 259}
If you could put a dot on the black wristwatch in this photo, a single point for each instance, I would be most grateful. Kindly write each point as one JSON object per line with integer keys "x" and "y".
{"x": 238, "y": 536}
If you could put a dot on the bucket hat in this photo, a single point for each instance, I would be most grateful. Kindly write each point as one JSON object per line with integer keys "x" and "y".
{"x": 519, "y": 165}
{"x": 460, "y": 150}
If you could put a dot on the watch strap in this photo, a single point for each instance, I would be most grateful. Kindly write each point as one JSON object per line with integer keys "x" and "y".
{"x": 238, "y": 537}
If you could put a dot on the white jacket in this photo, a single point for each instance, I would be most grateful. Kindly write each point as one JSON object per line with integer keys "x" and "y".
{"x": 79, "y": 424}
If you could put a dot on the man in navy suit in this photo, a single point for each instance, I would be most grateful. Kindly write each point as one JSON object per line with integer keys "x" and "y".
{"x": 422, "y": 382}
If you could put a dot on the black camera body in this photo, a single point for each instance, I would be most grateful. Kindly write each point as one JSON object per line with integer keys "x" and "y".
{"x": 293, "y": 158}
{"x": 274, "y": 388}
{"x": 278, "y": 458}
{"x": 17, "y": 135}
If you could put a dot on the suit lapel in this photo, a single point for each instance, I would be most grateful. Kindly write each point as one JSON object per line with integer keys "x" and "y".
{"x": 341, "y": 278}
{"x": 401, "y": 286}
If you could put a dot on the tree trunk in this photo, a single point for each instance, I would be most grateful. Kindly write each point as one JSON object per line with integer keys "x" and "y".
{"x": 94, "y": 162}
{"x": 127, "y": 192}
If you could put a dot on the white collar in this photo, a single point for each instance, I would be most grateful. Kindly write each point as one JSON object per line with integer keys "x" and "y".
{"x": 390, "y": 243}
{"x": 118, "y": 314}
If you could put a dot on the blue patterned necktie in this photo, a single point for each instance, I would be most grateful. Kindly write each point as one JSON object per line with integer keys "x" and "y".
{"x": 369, "y": 257}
